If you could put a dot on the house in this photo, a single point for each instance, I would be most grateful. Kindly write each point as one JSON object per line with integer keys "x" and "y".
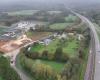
{"x": 80, "y": 37}
{"x": 64, "y": 35}
{"x": 70, "y": 34}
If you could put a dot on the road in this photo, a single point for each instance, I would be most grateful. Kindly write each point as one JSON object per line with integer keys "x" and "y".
{"x": 95, "y": 50}
{"x": 91, "y": 73}
{"x": 13, "y": 55}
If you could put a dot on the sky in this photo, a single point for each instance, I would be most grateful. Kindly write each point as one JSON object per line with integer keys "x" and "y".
{"x": 32, "y": 2}
{"x": 69, "y": 1}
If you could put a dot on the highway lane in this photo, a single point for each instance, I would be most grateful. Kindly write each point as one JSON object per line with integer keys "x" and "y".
{"x": 95, "y": 50}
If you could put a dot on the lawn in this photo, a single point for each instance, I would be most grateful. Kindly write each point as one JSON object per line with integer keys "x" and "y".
{"x": 55, "y": 65}
{"x": 22, "y": 12}
{"x": 40, "y": 48}
{"x": 60, "y": 26}
{"x": 69, "y": 47}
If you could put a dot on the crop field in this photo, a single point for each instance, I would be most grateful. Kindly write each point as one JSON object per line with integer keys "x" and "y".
{"x": 60, "y": 26}
{"x": 22, "y": 12}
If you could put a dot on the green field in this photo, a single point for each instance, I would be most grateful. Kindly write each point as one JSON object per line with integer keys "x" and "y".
{"x": 1, "y": 78}
{"x": 2, "y": 29}
{"x": 69, "y": 47}
{"x": 60, "y": 26}
{"x": 71, "y": 18}
{"x": 22, "y": 12}
{"x": 55, "y": 65}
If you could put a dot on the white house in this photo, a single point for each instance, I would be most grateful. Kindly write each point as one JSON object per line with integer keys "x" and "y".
{"x": 64, "y": 35}
{"x": 80, "y": 37}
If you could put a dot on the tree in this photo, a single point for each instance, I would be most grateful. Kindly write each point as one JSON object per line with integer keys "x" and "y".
{"x": 58, "y": 54}
{"x": 64, "y": 57}
{"x": 33, "y": 55}
{"x": 66, "y": 73}
{"x": 43, "y": 72}
{"x": 45, "y": 54}
{"x": 81, "y": 54}
{"x": 6, "y": 72}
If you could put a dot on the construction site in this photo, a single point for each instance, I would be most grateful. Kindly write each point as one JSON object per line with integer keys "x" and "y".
{"x": 8, "y": 46}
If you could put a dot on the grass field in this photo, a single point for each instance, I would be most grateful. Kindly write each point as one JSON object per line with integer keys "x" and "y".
{"x": 60, "y": 26}
{"x": 71, "y": 18}
{"x": 55, "y": 65}
{"x": 69, "y": 48}
{"x": 22, "y": 12}
{"x": 1, "y": 78}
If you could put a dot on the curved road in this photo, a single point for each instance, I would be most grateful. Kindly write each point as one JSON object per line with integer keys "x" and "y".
{"x": 13, "y": 55}
{"x": 95, "y": 50}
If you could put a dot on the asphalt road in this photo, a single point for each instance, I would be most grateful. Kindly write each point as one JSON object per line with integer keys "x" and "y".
{"x": 95, "y": 50}
{"x": 13, "y": 55}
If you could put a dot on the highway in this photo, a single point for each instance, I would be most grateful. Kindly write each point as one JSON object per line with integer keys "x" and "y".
{"x": 93, "y": 65}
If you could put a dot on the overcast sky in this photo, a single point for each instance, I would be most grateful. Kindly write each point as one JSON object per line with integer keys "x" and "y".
{"x": 32, "y": 2}
{"x": 6, "y": 1}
